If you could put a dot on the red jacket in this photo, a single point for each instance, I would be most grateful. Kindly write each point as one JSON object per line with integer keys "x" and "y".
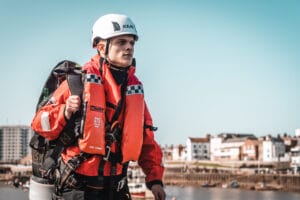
{"x": 150, "y": 157}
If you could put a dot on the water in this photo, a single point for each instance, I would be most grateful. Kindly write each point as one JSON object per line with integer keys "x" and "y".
{"x": 196, "y": 193}
{"x": 11, "y": 193}
{"x": 185, "y": 193}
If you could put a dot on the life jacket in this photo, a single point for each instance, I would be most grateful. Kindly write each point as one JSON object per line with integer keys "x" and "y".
{"x": 101, "y": 97}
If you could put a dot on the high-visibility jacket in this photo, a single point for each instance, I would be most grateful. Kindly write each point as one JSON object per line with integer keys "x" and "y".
{"x": 137, "y": 141}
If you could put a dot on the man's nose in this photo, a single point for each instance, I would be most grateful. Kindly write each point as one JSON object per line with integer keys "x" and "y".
{"x": 129, "y": 45}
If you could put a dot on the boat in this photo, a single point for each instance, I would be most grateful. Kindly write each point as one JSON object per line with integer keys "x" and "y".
{"x": 232, "y": 184}
{"x": 25, "y": 186}
{"x": 264, "y": 187}
{"x": 136, "y": 182}
{"x": 137, "y": 190}
{"x": 208, "y": 184}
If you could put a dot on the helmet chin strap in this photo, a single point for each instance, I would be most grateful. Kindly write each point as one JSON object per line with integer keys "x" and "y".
{"x": 105, "y": 59}
{"x": 106, "y": 49}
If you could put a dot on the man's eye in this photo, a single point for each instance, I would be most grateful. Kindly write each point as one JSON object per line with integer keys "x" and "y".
{"x": 132, "y": 43}
{"x": 122, "y": 42}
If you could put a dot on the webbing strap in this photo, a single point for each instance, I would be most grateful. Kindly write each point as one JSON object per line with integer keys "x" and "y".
{"x": 69, "y": 169}
{"x": 75, "y": 83}
{"x": 121, "y": 103}
{"x": 65, "y": 138}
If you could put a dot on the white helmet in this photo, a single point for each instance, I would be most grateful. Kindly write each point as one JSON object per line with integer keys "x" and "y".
{"x": 112, "y": 25}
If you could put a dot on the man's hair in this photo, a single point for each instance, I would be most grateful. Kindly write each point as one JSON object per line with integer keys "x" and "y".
{"x": 96, "y": 41}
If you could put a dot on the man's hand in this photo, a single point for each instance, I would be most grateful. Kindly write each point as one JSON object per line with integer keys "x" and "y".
{"x": 158, "y": 192}
{"x": 72, "y": 105}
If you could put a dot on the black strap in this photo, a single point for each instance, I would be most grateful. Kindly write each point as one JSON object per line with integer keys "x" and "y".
{"x": 107, "y": 48}
{"x": 121, "y": 103}
{"x": 152, "y": 128}
{"x": 76, "y": 87}
{"x": 66, "y": 177}
{"x": 75, "y": 83}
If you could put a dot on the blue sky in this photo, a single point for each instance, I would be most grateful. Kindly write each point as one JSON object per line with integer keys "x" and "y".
{"x": 207, "y": 66}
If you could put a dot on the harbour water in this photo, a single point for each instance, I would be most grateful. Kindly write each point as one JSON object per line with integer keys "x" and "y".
{"x": 185, "y": 193}
{"x": 199, "y": 193}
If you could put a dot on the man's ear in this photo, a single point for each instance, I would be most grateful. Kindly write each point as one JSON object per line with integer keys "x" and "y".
{"x": 101, "y": 48}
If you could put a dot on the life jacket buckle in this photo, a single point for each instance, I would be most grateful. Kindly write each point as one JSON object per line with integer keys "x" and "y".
{"x": 121, "y": 184}
{"x": 110, "y": 138}
{"x": 107, "y": 152}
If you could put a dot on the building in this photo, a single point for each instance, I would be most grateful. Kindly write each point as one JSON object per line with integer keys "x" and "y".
{"x": 167, "y": 152}
{"x": 14, "y": 142}
{"x": 295, "y": 159}
{"x": 289, "y": 142}
{"x": 179, "y": 153}
{"x": 198, "y": 148}
{"x": 228, "y": 146}
{"x": 249, "y": 151}
{"x": 297, "y": 132}
{"x": 174, "y": 153}
{"x": 273, "y": 149}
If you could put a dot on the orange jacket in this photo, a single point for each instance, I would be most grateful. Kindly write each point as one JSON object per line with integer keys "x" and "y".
{"x": 139, "y": 142}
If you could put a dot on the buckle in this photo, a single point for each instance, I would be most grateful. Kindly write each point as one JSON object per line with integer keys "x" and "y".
{"x": 121, "y": 184}
{"x": 107, "y": 153}
{"x": 110, "y": 138}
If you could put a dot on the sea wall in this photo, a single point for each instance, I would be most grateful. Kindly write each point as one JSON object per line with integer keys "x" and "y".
{"x": 281, "y": 182}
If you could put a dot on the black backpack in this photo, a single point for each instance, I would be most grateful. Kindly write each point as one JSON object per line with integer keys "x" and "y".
{"x": 45, "y": 153}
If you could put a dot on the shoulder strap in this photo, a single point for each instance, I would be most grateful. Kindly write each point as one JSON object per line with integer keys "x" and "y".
{"x": 75, "y": 83}
{"x": 121, "y": 103}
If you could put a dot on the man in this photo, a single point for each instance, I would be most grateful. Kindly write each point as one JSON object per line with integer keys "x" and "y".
{"x": 116, "y": 124}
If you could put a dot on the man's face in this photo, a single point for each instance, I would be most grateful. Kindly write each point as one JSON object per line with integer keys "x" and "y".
{"x": 121, "y": 50}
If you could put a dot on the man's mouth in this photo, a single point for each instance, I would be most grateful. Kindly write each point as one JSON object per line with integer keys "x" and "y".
{"x": 127, "y": 55}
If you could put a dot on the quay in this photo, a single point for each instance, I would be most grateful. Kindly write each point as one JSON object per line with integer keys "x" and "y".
{"x": 210, "y": 174}
{"x": 289, "y": 183}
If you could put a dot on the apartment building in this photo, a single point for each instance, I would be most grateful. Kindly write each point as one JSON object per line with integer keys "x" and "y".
{"x": 198, "y": 148}
{"x": 14, "y": 142}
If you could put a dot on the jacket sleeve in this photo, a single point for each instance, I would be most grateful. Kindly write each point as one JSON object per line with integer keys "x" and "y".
{"x": 49, "y": 120}
{"x": 150, "y": 159}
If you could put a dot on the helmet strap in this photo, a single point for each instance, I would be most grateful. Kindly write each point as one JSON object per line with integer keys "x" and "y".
{"x": 106, "y": 49}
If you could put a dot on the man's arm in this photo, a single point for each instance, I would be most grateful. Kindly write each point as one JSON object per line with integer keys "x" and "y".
{"x": 151, "y": 160}
{"x": 50, "y": 120}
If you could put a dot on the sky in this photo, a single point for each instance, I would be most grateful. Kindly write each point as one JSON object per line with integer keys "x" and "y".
{"x": 207, "y": 67}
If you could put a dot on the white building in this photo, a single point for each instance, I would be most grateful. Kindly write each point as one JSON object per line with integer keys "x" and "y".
{"x": 273, "y": 149}
{"x": 295, "y": 158}
{"x": 227, "y": 146}
{"x": 14, "y": 142}
{"x": 215, "y": 147}
{"x": 179, "y": 153}
{"x": 297, "y": 132}
{"x": 198, "y": 149}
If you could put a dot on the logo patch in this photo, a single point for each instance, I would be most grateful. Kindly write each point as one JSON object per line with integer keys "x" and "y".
{"x": 96, "y": 108}
{"x": 97, "y": 122}
{"x": 116, "y": 26}
{"x": 130, "y": 26}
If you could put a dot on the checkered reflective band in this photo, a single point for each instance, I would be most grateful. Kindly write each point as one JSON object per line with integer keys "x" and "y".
{"x": 135, "y": 89}
{"x": 93, "y": 78}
